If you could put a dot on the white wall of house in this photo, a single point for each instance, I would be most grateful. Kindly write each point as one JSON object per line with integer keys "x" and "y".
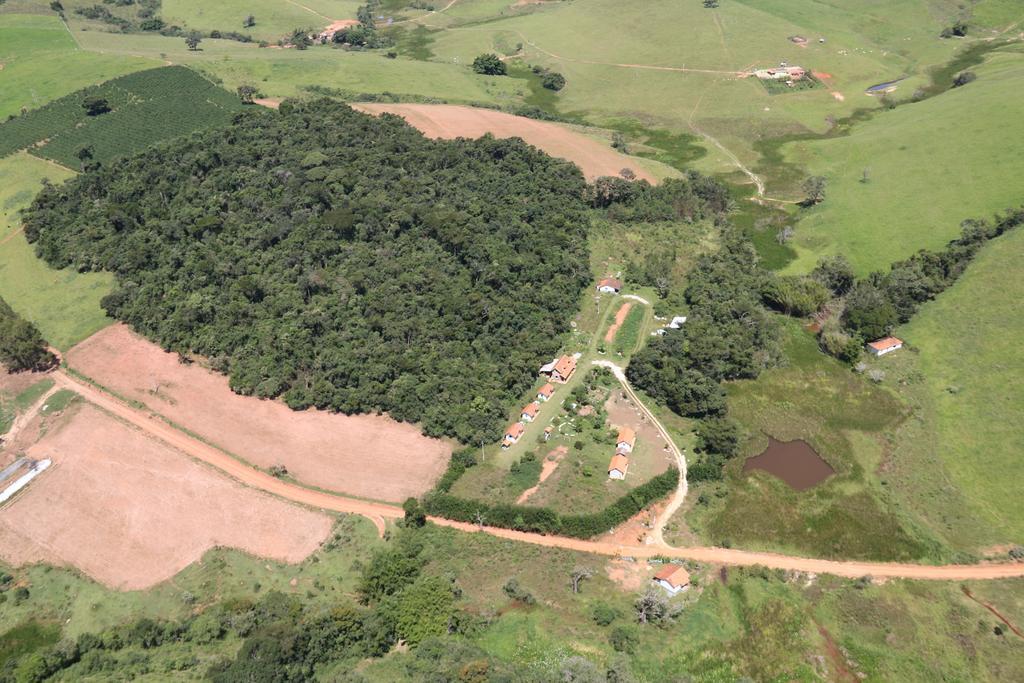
{"x": 616, "y": 474}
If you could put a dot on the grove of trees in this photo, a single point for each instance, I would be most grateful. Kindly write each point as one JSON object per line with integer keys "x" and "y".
{"x": 338, "y": 260}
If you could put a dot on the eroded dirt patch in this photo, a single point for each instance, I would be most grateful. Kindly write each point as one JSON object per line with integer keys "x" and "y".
{"x": 620, "y": 317}
{"x": 131, "y": 512}
{"x": 453, "y": 121}
{"x": 370, "y": 456}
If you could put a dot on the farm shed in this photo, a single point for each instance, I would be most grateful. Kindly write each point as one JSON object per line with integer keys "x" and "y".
{"x": 673, "y": 578}
{"x": 884, "y": 346}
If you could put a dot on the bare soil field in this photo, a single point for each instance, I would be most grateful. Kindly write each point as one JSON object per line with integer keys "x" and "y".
{"x": 370, "y": 456}
{"x": 131, "y": 512}
{"x": 453, "y": 121}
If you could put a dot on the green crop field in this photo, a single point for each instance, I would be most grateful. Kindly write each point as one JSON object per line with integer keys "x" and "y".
{"x": 65, "y": 305}
{"x": 42, "y": 61}
{"x": 146, "y": 107}
{"x": 930, "y": 165}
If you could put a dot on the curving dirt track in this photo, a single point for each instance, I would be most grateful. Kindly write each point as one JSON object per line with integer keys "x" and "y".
{"x": 620, "y": 317}
{"x": 448, "y": 121}
{"x": 261, "y": 480}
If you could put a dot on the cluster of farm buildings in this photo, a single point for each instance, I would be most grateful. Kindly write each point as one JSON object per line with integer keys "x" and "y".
{"x": 559, "y": 371}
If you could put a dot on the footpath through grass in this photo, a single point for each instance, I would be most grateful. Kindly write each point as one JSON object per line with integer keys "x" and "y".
{"x": 41, "y": 62}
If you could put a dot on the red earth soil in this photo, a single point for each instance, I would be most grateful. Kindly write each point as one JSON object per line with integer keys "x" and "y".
{"x": 131, "y": 512}
{"x": 370, "y": 456}
{"x": 453, "y": 121}
{"x": 620, "y": 317}
{"x": 547, "y": 468}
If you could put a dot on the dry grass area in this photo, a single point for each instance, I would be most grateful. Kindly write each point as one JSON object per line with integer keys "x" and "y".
{"x": 453, "y": 121}
{"x": 370, "y": 456}
{"x": 130, "y": 512}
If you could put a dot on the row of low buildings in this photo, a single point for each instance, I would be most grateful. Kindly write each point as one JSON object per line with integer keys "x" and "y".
{"x": 559, "y": 370}
{"x": 624, "y": 444}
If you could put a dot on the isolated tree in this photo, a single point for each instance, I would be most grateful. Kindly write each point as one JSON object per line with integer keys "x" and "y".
{"x": 84, "y": 153}
{"x": 94, "y": 106}
{"x": 814, "y": 188}
{"x": 628, "y": 174}
{"x": 247, "y": 92}
{"x": 624, "y": 639}
{"x": 249, "y": 22}
{"x": 553, "y": 80}
{"x": 619, "y": 142}
{"x": 578, "y": 575}
{"x": 489, "y": 65}
{"x": 711, "y": 4}
{"x": 651, "y": 607}
{"x": 57, "y": 7}
{"x": 193, "y": 39}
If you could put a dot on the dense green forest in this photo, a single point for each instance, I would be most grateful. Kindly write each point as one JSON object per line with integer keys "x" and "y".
{"x": 22, "y": 347}
{"x": 338, "y": 260}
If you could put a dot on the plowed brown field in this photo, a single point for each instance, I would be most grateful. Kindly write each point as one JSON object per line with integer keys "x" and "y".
{"x": 453, "y": 121}
{"x": 370, "y": 456}
{"x": 130, "y": 511}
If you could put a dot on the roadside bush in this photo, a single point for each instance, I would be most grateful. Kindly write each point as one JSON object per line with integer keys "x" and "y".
{"x": 22, "y": 347}
{"x": 624, "y": 639}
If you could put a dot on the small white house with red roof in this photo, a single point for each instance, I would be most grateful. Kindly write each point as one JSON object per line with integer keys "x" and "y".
{"x": 530, "y": 412}
{"x": 884, "y": 346}
{"x": 512, "y": 434}
{"x": 673, "y": 578}
{"x": 546, "y": 392}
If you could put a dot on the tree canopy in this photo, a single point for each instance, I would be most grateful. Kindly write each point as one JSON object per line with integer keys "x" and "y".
{"x": 337, "y": 259}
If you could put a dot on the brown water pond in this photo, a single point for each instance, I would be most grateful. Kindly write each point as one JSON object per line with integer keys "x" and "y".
{"x": 794, "y": 462}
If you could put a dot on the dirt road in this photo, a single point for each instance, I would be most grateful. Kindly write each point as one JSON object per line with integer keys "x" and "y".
{"x": 656, "y": 537}
{"x": 258, "y": 479}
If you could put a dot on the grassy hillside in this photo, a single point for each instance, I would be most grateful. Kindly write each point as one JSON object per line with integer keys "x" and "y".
{"x": 274, "y": 18}
{"x": 65, "y": 305}
{"x": 931, "y": 165}
{"x": 966, "y": 363}
{"x": 42, "y": 61}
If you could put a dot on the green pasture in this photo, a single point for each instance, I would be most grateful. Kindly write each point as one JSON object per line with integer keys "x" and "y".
{"x": 930, "y": 166}
{"x": 961, "y": 465}
{"x": 65, "y": 305}
{"x": 595, "y": 44}
{"x": 286, "y": 73}
{"x": 275, "y": 19}
{"x": 10, "y": 406}
{"x": 846, "y": 419}
{"x": 42, "y": 61}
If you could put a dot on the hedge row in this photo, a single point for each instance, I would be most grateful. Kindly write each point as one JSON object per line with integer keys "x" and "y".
{"x": 544, "y": 520}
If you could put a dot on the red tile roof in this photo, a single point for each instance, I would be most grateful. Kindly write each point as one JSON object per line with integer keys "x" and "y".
{"x": 885, "y": 343}
{"x": 674, "y": 574}
{"x": 531, "y": 409}
{"x": 627, "y": 435}
{"x": 619, "y": 462}
{"x": 515, "y": 431}
{"x": 546, "y": 391}
{"x": 565, "y": 366}
{"x": 612, "y": 282}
